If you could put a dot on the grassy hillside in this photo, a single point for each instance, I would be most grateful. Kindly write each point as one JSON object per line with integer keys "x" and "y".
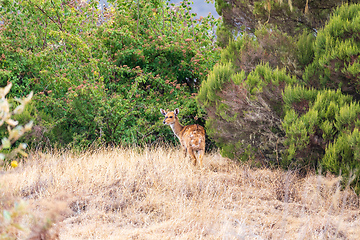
{"x": 156, "y": 194}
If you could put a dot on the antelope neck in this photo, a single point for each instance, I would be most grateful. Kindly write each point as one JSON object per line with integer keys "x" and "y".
{"x": 176, "y": 127}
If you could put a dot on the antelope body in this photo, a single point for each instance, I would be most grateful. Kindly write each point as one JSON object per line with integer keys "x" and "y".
{"x": 191, "y": 137}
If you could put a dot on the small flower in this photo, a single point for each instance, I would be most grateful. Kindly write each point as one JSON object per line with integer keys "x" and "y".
{"x": 25, "y": 100}
{"x": 23, "y": 145}
{"x": 14, "y": 164}
{"x": 28, "y": 126}
{"x": 19, "y": 109}
{"x": 11, "y": 122}
{"x": 5, "y": 90}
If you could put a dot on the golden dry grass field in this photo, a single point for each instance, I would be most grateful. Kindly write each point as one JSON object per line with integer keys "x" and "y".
{"x": 156, "y": 194}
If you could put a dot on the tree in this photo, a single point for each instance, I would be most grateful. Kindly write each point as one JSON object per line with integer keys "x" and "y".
{"x": 102, "y": 75}
{"x": 336, "y": 49}
{"x": 244, "y": 111}
{"x": 291, "y": 17}
{"x": 303, "y": 118}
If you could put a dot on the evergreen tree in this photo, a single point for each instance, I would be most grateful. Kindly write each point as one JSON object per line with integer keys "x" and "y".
{"x": 336, "y": 53}
{"x": 244, "y": 111}
{"x": 291, "y": 16}
{"x": 304, "y": 116}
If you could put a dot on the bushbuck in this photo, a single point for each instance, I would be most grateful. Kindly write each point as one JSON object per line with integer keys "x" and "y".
{"x": 191, "y": 137}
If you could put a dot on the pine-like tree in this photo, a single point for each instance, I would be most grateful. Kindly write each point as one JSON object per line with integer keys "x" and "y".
{"x": 336, "y": 61}
{"x": 291, "y": 16}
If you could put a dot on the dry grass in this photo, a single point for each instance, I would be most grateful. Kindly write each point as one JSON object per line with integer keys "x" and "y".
{"x": 156, "y": 194}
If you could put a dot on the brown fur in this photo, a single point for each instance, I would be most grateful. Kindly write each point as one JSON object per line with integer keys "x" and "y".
{"x": 191, "y": 137}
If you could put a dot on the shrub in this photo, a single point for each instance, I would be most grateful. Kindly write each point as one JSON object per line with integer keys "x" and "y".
{"x": 264, "y": 46}
{"x": 322, "y": 130}
{"x": 257, "y": 111}
{"x": 243, "y": 112}
{"x": 305, "y": 49}
{"x": 101, "y": 75}
{"x": 336, "y": 53}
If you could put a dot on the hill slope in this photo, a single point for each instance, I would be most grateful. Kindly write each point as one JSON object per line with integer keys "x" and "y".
{"x": 156, "y": 194}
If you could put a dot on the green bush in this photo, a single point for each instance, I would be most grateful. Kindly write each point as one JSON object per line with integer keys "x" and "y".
{"x": 100, "y": 76}
{"x": 305, "y": 122}
{"x": 305, "y": 49}
{"x": 336, "y": 53}
{"x": 322, "y": 130}
{"x": 243, "y": 111}
{"x": 264, "y": 46}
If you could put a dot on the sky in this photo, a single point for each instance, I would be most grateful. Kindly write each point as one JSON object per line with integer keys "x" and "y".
{"x": 201, "y": 8}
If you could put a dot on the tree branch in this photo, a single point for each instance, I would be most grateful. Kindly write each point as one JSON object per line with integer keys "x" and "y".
{"x": 52, "y": 19}
{"x": 57, "y": 14}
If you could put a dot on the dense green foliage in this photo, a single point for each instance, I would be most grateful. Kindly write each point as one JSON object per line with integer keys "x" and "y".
{"x": 322, "y": 125}
{"x": 322, "y": 130}
{"x": 244, "y": 110}
{"x": 303, "y": 117}
{"x": 264, "y": 46}
{"x": 336, "y": 53}
{"x": 101, "y": 76}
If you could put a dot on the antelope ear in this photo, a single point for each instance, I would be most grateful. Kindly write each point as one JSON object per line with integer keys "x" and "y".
{"x": 162, "y": 111}
{"x": 176, "y": 111}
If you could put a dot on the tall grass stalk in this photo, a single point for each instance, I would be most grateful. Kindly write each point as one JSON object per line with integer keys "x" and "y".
{"x": 133, "y": 193}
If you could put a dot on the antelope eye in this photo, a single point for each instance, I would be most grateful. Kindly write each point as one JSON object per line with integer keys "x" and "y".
{"x": 170, "y": 117}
